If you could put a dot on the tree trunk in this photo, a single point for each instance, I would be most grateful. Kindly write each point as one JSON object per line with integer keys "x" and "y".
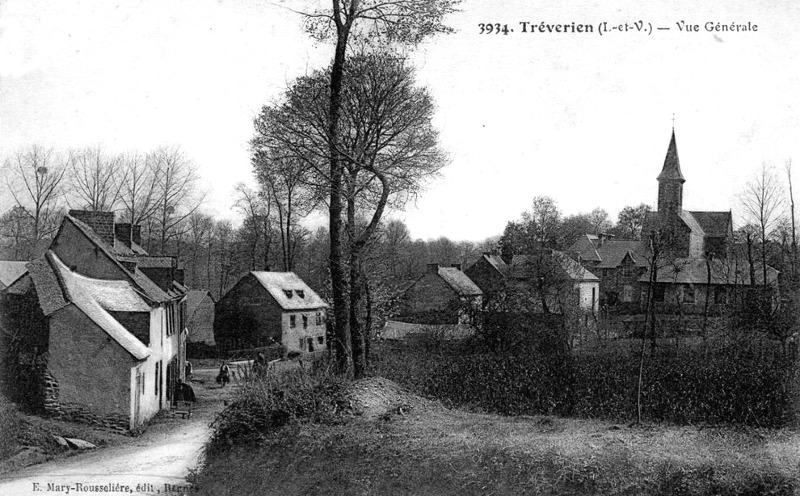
{"x": 339, "y": 283}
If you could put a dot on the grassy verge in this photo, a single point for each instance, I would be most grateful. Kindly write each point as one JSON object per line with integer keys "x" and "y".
{"x": 438, "y": 451}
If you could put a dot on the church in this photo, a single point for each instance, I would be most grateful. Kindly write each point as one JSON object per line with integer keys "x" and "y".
{"x": 691, "y": 253}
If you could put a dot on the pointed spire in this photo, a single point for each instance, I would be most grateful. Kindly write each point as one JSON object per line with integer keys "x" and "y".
{"x": 672, "y": 165}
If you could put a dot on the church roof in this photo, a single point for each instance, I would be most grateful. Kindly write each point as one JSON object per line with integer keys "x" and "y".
{"x": 672, "y": 164}
{"x": 713, "y": 223}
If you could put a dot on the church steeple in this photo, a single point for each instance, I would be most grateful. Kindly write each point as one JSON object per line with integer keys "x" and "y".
{"x": 670, "y": 181}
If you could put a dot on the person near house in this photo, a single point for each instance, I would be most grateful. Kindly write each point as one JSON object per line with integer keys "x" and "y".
{"x": 224, "y": 376}
{"x": 188, "y": 370}
{"x": 260, "y": 365}
{"x": 184, "y": 392}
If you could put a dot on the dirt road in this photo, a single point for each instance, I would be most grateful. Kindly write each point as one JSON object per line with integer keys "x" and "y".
{"x": 157, "y": 462}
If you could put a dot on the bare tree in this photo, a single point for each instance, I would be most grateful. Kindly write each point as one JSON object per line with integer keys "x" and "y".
{"x": 176, "y": 192}
{"x": 34, "y": 179}
{"x": 138, "y": 192}
{"x": 631, "y": 219}
{"x": 257, "y": 222}
{"x": 762, "y": 201}
{"x": 599, "y": 220}
{"x": 96, "y": 178}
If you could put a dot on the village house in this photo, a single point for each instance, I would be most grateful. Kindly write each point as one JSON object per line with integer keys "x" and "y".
{"x": 268, "y": 309}
{"x": 696, "y": 262}
{"x": 103, "y": 342}
{"x": 618, "y": 263}
{"x": 443, "y": 295}
{"x": 529, "y": 282}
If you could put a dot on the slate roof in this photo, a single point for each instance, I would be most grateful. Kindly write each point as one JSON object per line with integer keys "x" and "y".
{"x": 672, "y": 164}
{"x": 147, "y": 286}
{"x": 459, "y": 281}
{"x": 496, "y": 262}
{"x": 695, "y": 271}
{"x": 692, "y": 223}
{"x": 714, "y": 223}
{"x": 278, "y": 283}
{"x": 151, "y": 262}
{"x": 10, "y": 271}
{"x": 193, "y": 299}
{"x": 572, "y": 269}
{"x": 58, "y": 287}
{"x": 585, "y": 246}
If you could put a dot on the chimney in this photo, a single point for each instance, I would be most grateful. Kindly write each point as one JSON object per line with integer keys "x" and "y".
{"x": 102, "y": 223}
{"x": 433, "y": 268}
{"x": 136, "y": 234}
{"x": 123, "y": 233}
{"x": 456, "y": 266}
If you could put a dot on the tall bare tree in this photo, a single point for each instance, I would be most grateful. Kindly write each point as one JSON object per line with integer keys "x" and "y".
{"x": 96, "y": 178}
{"x": 35, "y": 180}
{"x": 138, "y": 193}
{"x": 762, "y": 202}
{"x": 257, "y": 223}
{"x": 177, "y": 193}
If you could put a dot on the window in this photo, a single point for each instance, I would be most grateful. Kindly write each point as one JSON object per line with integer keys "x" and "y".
{"x": 300, "y": 293}
{"x": 288, "y": 293}
{"x": 688, "y": 293}
{"x": 321, "y": 339}
{"x": 627, "y": 270}
{"x": 301, "y": 343}
{"x": 292, "y": 321}
{"x": 319, "y": 318}
{"x": 305, "y": 321}
{"x": 627, "y": 294}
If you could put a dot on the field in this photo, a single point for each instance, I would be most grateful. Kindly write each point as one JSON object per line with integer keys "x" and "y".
{"x": 406, "y": 445}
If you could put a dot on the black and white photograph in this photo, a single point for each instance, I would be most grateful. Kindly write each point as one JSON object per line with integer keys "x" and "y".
{"x": 399, "y": 247}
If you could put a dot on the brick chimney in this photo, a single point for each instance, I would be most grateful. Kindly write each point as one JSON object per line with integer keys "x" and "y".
{"x": 123, "y": 233}
{"x": 136, "y": 234}
{"x": 102, "y": 223}
{"x": 433, "y": 268}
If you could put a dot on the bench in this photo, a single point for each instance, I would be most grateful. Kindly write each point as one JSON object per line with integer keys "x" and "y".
{"x": 182, "y": 408}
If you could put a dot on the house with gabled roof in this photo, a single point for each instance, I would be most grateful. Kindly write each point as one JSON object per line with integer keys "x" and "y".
{"x": 108, "y": 340}
{"x": 443, "y": 295}
{"x": 618, "y": 263}
{"x": 269, "y": 310}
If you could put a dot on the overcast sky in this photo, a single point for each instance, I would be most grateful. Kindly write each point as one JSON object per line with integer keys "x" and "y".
{"x": 580, "y": 117}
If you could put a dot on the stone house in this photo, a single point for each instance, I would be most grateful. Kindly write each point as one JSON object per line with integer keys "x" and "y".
{"x": 266, "y": 309}
{"x": 108, "y": 342}
{"x": 443, "y": 295}
{"x": 618, "y": 263}
{"x": 569, "y": 287}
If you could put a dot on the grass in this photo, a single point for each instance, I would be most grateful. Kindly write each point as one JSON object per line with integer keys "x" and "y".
{"x": 432, "y": 450}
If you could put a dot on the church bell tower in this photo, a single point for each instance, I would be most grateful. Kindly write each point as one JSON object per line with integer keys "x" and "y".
{"x": 670, "y": 182}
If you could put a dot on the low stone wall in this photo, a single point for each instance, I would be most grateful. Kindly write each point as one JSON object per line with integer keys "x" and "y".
{"x": 79, "y": 413}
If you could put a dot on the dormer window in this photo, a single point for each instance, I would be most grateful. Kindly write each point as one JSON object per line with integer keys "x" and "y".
{"x": 288, "y": 293}
{"x": 300, "y": 293}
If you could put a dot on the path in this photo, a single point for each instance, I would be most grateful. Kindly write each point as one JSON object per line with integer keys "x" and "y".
{"x": 155, "y": 463}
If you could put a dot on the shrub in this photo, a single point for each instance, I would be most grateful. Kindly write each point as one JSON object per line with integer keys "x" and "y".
{"x": 266, "y": 404}
{"x": 728, "y": 385}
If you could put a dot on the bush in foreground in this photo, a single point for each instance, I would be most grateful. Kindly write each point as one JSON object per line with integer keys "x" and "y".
{"x": 265, "y": 404}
